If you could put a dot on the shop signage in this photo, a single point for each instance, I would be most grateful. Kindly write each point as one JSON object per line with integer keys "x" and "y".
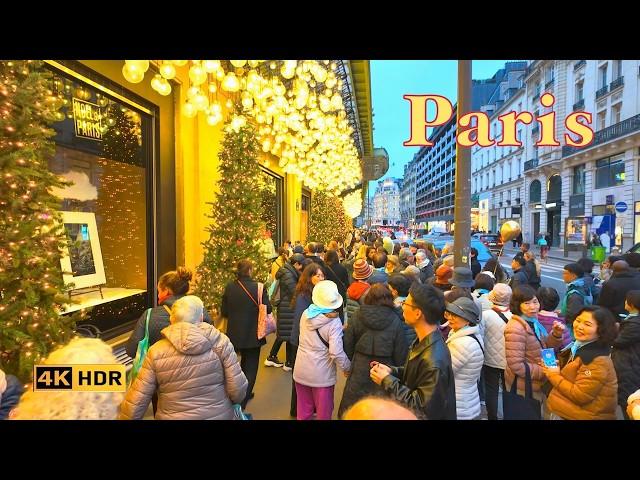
{"x": 621, "y": 207}
{"x": 576, "y": 205}
{"x": 87, "y": 119}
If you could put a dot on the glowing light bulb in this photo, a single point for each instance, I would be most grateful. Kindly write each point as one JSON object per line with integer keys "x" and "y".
{"x": 168, "y": 71}
{"x": 189, "y": 110}
{"x": 132, "y": 75}
{"x": 230, "y": 83}
{"x": 197, "y": 74}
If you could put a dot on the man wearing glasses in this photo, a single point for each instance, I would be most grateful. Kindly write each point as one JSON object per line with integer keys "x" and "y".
{"x": 425, "y": 383}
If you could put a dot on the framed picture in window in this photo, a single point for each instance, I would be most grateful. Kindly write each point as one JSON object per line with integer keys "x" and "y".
{"x": 82, "y": 262}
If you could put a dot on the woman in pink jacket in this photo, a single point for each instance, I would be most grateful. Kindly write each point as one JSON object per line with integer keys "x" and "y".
{"x": 524, "y": 338}
{"x": 319, "y": 352}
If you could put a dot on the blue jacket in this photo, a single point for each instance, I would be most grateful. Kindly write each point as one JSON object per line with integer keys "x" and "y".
{"x": 11, "y": 396}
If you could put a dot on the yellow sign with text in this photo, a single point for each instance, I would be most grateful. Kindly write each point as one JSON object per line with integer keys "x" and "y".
{"x": 80, "y": 378}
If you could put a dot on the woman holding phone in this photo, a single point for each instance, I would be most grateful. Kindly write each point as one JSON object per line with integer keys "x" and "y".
{"x": 586, "y": 388}
{"x": 524, "y": 339}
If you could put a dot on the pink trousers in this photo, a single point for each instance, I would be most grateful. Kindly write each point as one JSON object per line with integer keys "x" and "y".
{"x": 319, "y": 399}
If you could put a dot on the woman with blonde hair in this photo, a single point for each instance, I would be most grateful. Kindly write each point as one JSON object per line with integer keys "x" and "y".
{"x": 67, "y": 404}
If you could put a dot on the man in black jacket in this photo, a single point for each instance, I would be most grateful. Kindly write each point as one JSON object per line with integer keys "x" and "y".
{"x": 520, "y": 276}
{"x": 615, "y": 289}
{"x": 425, "y": 383}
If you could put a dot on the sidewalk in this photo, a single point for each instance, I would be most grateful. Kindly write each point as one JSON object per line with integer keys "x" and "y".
{"x": 554, "y": 253}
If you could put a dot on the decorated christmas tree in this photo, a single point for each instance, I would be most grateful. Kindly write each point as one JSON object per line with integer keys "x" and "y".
{"x": 328, "y": 220}
{"x": 237, "y": 226}
{"x": 31, "y": 232}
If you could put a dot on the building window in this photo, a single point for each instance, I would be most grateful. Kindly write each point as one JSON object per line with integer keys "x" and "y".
{"x": 615, "y": 113}
{"x": 610, "y": 171}
{"x": 578, "y": 179}
{"x": 549, "y": 74}
{"x": 617, "y": 69}
{"x": 602, "y": 76}
{"x": 579, "y": 90}
{"x": 602, "y": 120}
{"x": 535, "y": 190}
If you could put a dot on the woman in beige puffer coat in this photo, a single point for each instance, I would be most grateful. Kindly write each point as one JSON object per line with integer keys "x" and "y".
{"x": 194, "y": 368}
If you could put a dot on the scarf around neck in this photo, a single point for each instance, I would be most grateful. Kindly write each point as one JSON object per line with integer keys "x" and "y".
{"x": 538, "y": 328}
{"x": 314, "y": 310}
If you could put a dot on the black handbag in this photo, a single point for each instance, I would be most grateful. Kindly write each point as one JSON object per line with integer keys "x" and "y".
{"x": 517, "y": 407}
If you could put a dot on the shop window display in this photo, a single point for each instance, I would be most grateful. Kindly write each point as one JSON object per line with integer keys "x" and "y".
{"x": 101, "y": 148}
{"x": 271, "y": 188}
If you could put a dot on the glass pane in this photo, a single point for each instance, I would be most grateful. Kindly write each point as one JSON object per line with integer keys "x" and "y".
{"x": 100, "y": 147}
{"x": 271, "y": 200}
{"x": 602, "y": 177}
{"x": 617, "y": 173}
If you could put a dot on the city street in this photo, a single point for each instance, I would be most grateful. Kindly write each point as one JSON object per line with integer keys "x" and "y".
{"x": 551, "y": 271}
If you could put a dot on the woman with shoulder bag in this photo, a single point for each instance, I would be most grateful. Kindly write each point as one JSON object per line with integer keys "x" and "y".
{"x": 524, "y": 338}
{"x": 172, "y": 286}
{"x": 240, "y": 305}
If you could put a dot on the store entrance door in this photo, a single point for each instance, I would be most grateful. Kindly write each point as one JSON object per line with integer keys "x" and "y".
{"x": 553, "y": 226}
{"x": 536, "y": 226}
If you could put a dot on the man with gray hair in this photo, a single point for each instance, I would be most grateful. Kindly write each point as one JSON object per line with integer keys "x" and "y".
{"x": 194, "y": 367}
{"x": 425, "y": 266}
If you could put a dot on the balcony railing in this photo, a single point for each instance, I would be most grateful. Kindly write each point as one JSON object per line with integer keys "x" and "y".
{"x": 549, "y": 83}
{"x": 579, "y": 64}
{"x": 603, "y": 91}
{"x": 620, "y": 129}
{"x": 618, "y": 82}
{"x": 579, "y": 105}
{"x": 530, "y": 164}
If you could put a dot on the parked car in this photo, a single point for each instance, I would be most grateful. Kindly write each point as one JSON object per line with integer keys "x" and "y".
{"x": 491, "y": 240}
{"x": 634, "y": 249}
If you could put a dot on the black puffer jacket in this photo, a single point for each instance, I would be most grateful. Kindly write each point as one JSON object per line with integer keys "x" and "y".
{"x": 288, "y": 277}
{"x": 532, "y": 273}
{"x": 242, "y": 312}
{"x": 425, "y": 383}
{"x": 615, "y": 290}
{"x": 375, "y": 334}
{"x": 626, "y": 358}
{"x": 159, "y": 319}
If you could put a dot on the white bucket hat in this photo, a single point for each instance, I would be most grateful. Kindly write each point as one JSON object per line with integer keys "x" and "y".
{"x": 326, "y": 295}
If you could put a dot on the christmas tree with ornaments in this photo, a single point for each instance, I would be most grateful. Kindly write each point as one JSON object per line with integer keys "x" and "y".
{"x": 237, "y": 227}
{"x": 32, "y": 236}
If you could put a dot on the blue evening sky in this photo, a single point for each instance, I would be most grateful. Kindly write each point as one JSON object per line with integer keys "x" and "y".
{"x": 391, "y": 79}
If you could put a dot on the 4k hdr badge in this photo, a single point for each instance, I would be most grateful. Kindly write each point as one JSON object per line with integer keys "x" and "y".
{"x": 82, "y": 378}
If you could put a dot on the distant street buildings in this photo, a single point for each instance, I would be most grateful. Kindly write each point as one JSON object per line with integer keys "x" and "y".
{"x": 569, "y": 193}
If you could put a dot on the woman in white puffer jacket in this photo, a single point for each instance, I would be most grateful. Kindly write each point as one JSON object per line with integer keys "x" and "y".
{"x": 467, "y": 354}
{"x": 494, "y": 351}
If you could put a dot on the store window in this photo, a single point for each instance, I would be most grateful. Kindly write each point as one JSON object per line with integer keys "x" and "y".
{"x": 535, "y": 190}
{"x": 271, "y": 186}
{"x": 578, "y": 179}
{"x": 103, "y": 146}
{"x": 610, "y": 171}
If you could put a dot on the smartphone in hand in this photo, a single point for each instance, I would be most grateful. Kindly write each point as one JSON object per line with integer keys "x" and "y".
{"x": 549, "y": 357}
